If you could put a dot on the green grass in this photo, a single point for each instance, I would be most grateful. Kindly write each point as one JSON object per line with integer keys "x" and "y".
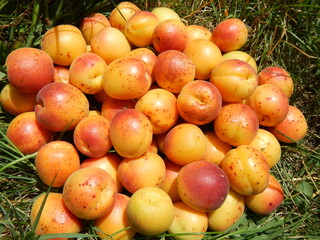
{"x": 281, "y": 33}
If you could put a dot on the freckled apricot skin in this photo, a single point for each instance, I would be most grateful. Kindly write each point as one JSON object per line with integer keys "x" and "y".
{"x": 202, "y": 185}
{"x": 236, "y": 124}
{"x": 131, "y": 133}
{"x": 147, "y": 170}
{"x": 63, "y": 43}
{"x": 199, "y": 102}
{"x": 160, "y": 106}
{"x": 267, "y": 201}
{"x": 164, "y": 13}
{"x": 230, "y": 35}
{"x": 89, "y": 193}
{"x": 188, "y": 220}
{"x": 29, "y": 69}
{"x": 270, "y": 104}
{"x": 293, "y": 128}
{"x": 150, "y": 211}
{"x": 277, "y": 76}
{"x": 86, "y": 72}
{"x": 268, "y": 145}
{"x": 173, "y": 69}
{"x": 56, "y": 161}
{"x": 27, "y": 134}
{"x": 61, "y": 74}
{"x": 115, "y": 221}
{"x": 228, "y": 213}
{"x": 92, "y": 25}
{"x": 16, "y": 102}
{"x": 126, "y": 78}
{"x": 91, "y": 136}
{"x": 61, "y": 106}
{"x": 205, "y": 55}
{"x": 109, "y": 163}
{"x": 55, "y": 216}
{"x": 235, "y": 79}
{"x": 247, "y": 170}
{"x": 185, "y": 143}
{"x": 146, "y": 55}
{"x": 111, "y": 106}
{"x": 170, "y": 34}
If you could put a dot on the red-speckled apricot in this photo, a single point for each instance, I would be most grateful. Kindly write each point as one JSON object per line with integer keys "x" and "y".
{"x": 173, "y": 69}
{"x": 55, "y": 216}
{"x": 89, "y": 193}
{"x": 267, "y": 201}
{"x": 246, "y": 169}
{"x": 236, "y": 124}
{"x": 29, "y": 69}
{"x": 293, "y": 128}
{"x": 160, "y": 106}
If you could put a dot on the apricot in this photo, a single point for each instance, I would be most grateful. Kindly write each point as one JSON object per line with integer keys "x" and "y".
{"x": 56, "y": 161}
{"x": 202, "y": 185}
{"x": 277, "y": 76}
{"x": 235, "y": 79}
{"x": 55, "y": 216}
{"x": 230, "y": 35}
{"x": 160, "y": 106}
{"x": 236, "y": 124}
{"x": 16, "y": 102}
{"x": 29, "y": 69}
{"x": 150, "y": 211}
{"x": 114, "y": 222}
{"x": 91, "y": 136}
{"x": 228, "y": 213}
{"x": 27, "y": 134}
{"x": 185, "y": 143}
{"x": 131, "y": 133}
{"x": 89, "y": 193}
{"x": 109, "y": 163}
{"x": 147, "y": 170}
{"x": 267, "y": 201}
{"x": 61, "y": 74}
{"x": 216, "y": 148}
{"x": 170, "y": 183}
{"x": 270, "y": 104}
{"x": 205, "y": 55}
{"x": 188, "y": 220}
{"x": 247, "y": 170}
{"x": 111, "y": 106}
{"x": 199, "y": 102}
{"x": 61, "y": 106}
{"x": 92, "y": 25}
{"x": 121, "y": 13}
{"x": 86, "y": 72}
{"x": 241, "y": 55}
{"x": 268, "y": 145}
{"x": 63, "y": 43}
{"x": 140, "y": 27}
{"x": 197, "y": 32}
{"x": 173, "y": 69}
{"x": 293, "y": 128}
{"x": 164, "y": 13}
{"x": 110, "y": 44}
{"x": 126, "y": 78}
{"x": 170, "y": 34}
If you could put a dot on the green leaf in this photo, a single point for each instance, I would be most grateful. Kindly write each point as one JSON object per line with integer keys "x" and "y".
{"x": 305, "y": 188}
